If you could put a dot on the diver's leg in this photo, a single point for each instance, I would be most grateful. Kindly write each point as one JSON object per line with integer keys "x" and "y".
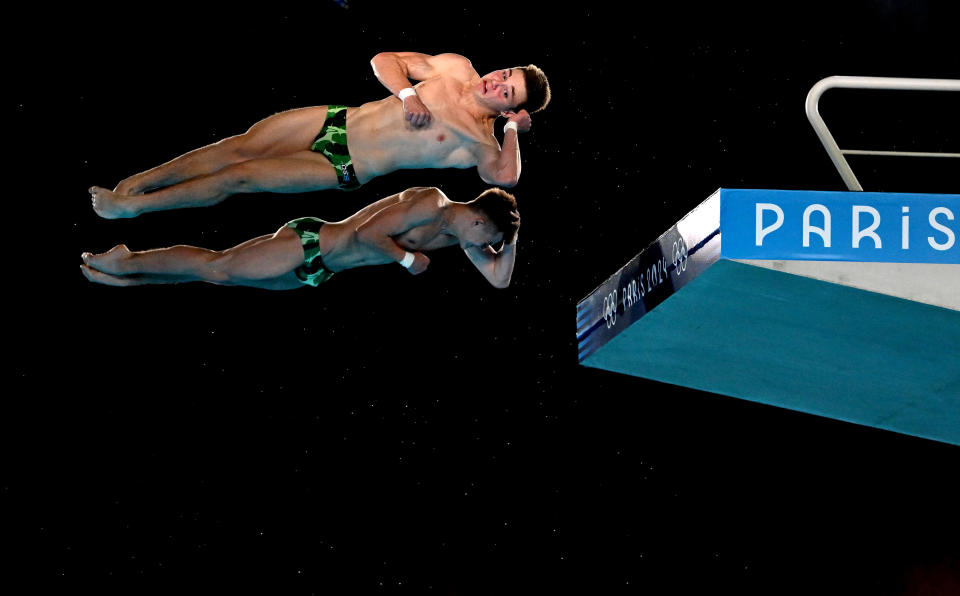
{"x": 301, "y": 172}
{"x": 131, "y": 280}
{"x": 265, "y": 258}
{"x": 284, "y": 282}
{"x": 279, "y": 135}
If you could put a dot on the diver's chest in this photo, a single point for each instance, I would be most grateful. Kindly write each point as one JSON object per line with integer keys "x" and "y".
{"x": 424, "y": 238}
{"x": 452, "y": 125}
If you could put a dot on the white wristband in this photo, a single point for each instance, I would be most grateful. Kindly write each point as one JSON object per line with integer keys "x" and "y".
{"x": 407, "y": 260}
{"x": 405, "y": 93}
{"x": 510, "y": 126}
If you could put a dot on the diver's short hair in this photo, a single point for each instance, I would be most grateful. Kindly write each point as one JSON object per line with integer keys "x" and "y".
{"x": 500, "y": 209}
{"x": 538, "y": 88}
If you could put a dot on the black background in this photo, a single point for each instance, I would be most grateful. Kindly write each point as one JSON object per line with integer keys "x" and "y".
{"x": 431, "y": 433}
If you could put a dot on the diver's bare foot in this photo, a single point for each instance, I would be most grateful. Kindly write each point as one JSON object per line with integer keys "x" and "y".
{"x": 110, "y": 205}
{"x": 104, "y": 278}
{"x": 111, "y": 262}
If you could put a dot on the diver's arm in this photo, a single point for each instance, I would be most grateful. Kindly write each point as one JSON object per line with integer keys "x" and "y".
{"x": 496, "y": 267}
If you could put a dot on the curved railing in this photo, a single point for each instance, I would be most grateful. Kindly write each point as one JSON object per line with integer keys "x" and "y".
{"x": 886, "y": 83}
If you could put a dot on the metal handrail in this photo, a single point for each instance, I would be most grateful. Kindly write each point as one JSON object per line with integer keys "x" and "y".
{"x": 886, "y": 83}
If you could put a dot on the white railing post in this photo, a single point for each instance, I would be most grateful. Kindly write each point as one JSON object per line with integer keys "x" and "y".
{"x": 887, "y": 83}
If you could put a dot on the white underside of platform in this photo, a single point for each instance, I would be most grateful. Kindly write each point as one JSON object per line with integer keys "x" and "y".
{"x": 929, "y": 283}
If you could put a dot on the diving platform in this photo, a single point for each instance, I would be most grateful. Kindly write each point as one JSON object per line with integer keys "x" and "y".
{"x": 838, "y": 304}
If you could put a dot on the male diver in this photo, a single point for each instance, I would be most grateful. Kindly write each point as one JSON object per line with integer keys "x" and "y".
{"x": 445, "y": 121}
{"x": 308, "y": 251}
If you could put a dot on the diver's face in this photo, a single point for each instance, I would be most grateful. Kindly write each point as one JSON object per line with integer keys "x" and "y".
{"x": 503, "y": 90}
{"x": 480, "y": 235}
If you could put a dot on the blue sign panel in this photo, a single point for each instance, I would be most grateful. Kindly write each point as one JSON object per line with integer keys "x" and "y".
{"x": 840, "y": 226}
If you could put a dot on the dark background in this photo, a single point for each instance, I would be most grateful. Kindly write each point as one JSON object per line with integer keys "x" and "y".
{"x": 431, "y": 433}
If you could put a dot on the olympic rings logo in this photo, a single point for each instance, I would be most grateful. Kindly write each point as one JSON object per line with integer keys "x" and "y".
{"x": 680, "y": 256}
{"x": 610, "y": 309}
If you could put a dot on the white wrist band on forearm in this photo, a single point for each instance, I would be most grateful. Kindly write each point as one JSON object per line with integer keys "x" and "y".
{"x": 407, "y": 260}
{"x": 509, "y": 126}
{"x": 405, "y": 93}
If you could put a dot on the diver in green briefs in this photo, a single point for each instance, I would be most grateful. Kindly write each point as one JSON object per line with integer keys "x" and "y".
{"x": 445, "y": 121}
{"x": 331, "y": 141}
{"x": 309, "y": 251}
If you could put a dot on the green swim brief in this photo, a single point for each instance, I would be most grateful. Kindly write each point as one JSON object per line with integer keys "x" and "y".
{"x": 332, "y": 142}
{"x": 313, "y": 272}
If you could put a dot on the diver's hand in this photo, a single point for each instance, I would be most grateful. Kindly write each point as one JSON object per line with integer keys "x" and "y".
{"x": 416, "y": 113}
{"x": 419, "y": 264}
{"x": 522, "y": 118}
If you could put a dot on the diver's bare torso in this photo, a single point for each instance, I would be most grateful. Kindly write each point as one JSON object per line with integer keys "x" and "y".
{"x": 380, "y": 139}
{"x": 341, "y": 249}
